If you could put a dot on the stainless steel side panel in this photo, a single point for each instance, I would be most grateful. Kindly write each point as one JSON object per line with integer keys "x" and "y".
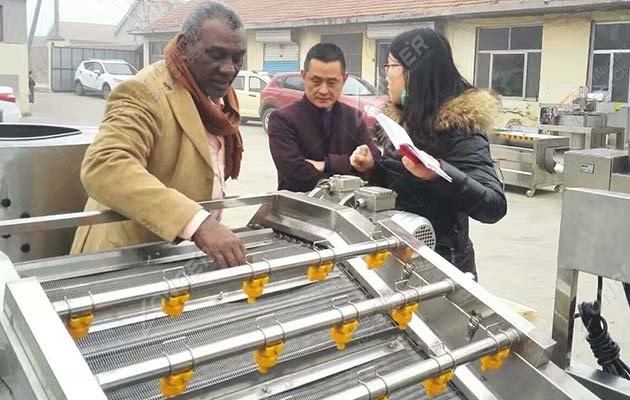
{"x": 63, "y": 372}
{"x": 594, "y": 233}
{"x": 38, "y": 178}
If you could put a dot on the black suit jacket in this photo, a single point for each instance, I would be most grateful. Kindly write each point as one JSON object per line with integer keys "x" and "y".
{"x": 295, "y": 135}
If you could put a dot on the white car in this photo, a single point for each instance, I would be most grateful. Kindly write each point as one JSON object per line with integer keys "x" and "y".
{"x": 101, "y": 76}
{"x": 248, "y": 85}
{"x": 9, "y": 110}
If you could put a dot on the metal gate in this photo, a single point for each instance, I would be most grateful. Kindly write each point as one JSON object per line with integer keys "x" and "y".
{"x": 66, "y": 60}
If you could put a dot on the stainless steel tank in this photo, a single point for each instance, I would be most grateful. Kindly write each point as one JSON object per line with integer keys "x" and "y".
{"x": 39, "y": 175}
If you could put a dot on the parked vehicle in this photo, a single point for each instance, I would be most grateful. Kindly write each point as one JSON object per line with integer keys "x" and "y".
{"x": 288, "y": 87}
{"x": 9, "y": 110}
{"x": 248, "y": 85}
{"x": 101, "y": 76}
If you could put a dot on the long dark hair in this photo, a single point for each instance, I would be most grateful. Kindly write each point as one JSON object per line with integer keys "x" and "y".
{"x": 431, "y": 76}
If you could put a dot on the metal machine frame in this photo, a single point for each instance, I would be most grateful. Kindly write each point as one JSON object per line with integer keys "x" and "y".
{"x": 590, "y": 136}
{"x": 530, "y": 161}
{"x": 593, "y": 240}
{"x": 42, "y": 361}
{"x": 39, "y": 175}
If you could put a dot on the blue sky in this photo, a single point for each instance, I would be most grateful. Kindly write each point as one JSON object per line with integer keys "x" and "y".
{"x": 93, "y": 11}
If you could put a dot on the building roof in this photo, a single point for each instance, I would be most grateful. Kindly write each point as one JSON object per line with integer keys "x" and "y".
{"x": 293, "y": 13}
{"x": 130, "y": 11}
{"x": 146, "y": 11}
{"x": 84, "y": 32}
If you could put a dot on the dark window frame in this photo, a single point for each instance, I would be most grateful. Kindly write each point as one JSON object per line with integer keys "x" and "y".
{"x": 284, "y": 83}
{"x": 614, "y": 55}
{"x": 156, "y": 44}
{"x": 379, "y": 70}
{"x": 354, "y": 60}
{"x": 262, "y": 82}
{"x": 241, "y": 77}
{"x": 526, "y": 55}
{"x": 365, "y": 86}
{"x": 100, "y": 66}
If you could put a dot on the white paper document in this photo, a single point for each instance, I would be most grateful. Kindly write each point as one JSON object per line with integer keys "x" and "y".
{"x": 402, "y": 142}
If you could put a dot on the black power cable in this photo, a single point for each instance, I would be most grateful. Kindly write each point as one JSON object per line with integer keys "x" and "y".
{"x": 604, "y": 348}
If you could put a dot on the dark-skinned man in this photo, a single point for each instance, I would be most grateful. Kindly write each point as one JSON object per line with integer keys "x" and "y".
{"x": 314, "y": 137}
{"x": 169, "y": 138}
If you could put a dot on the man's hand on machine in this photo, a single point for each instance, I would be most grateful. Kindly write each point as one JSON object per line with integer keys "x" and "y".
{"x": 219, "y": 243}
{"x": 362, "y": 159}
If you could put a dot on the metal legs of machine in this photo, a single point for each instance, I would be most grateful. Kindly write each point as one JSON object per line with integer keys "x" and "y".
{"x": 594, "y": 240}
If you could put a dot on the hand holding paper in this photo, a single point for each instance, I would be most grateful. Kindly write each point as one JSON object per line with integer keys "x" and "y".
{"x": 402, "y": 142}
{"x": 419, "y": 170}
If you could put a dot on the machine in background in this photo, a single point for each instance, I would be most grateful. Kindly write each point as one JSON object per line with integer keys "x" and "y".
{"x": 337, "y": 301}
{"x": 593, "y": 240}
{"x": 39, "y": 176}
{"x": 528, "y": 160}
{"x": 602, "y": 169}
{"x": 534, "y": 160}
{"x": 588, "y": 121}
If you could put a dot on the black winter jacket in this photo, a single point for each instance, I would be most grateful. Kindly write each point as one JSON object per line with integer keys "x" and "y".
{"x": 464, "y": 153}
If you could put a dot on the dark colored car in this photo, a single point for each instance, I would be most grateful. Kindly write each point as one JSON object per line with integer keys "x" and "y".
{"x": 285, "y": 88}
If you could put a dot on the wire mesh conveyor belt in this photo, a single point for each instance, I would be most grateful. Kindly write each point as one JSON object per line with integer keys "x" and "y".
{"x": 131, "y": 343}
{"x": 125, "y": 345}
{"x": 349, "y": 378}
{"x": 151, "y": 273}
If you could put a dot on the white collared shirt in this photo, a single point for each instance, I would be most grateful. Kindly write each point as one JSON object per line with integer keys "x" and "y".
{"x": 216, "y": 144}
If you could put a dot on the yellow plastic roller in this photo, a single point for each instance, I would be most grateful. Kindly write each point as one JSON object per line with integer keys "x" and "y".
{"x": 319, "y": 273}
{"x": 403, "y": 315}
{"x": 174, "y": 305}
{"x": 267, "y": 357}
{"x": 79, "y": 326}
{"x": 437, "y": 385}
{"x": 375, "y": 261}
{"x": 494, "y": 361}
{"x": 175, "y": 384}
{"x": 254, "y": 288}
{"x": 342, "y": 334}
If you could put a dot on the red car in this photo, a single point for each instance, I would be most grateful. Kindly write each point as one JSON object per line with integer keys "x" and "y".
{"x": 285, "y": 88}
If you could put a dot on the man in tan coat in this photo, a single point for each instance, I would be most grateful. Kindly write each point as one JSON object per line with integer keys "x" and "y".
{"x": 168, "y": 139}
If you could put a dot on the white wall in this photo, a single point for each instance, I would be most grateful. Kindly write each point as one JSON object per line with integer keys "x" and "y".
{"x": 14, "y": 24}
{"x": 14, "y": 65}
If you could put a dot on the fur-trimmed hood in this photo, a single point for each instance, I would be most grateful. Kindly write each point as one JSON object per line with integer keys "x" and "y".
{"x": 474, "y": 111}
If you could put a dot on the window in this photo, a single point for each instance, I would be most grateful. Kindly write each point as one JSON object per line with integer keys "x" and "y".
{"x": 352, "y": 47}
{"x": 97, "y": 67}
{"x": 382, "y": 55}
{"x": 610, "y": 61}
{"x": 239, "y": 83}
{"x": 256, "y": 84}
{"x": 120, "y": 69}
{"x": 294, "y": 83}
{"x": 508, "y": 60}
{"x": 357, "y": 87}
{"x": 156, "y": 51}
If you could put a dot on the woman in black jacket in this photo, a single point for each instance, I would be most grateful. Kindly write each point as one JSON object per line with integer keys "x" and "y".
{"x": 448, "y": 118}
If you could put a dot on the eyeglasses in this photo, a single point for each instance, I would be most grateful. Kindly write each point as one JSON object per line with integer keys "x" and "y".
{"x": 388, "y": 66}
